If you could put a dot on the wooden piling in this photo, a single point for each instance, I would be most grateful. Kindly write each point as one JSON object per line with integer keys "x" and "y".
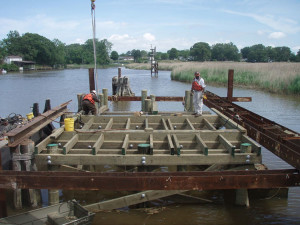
{"x": 3, "y": 210}
{"x": 79, "y": 99}
{"x": 119, "y": 72}
{"x": 91, "y": 79}
{"x": 105, "y": 96}
{"x": 144, "y": 97}
{"x": 187, "y": 100}
{"x": 147, "y": 105}
{"x": 230, "y": 85}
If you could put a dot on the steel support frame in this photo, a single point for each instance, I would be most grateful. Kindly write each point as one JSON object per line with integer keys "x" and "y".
{"x": 16, "y": 136}
{"x": 150, "y": 181}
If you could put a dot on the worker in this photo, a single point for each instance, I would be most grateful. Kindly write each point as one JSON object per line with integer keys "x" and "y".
{"x": 198, "y": 89}
{"x": 88, "y": 103}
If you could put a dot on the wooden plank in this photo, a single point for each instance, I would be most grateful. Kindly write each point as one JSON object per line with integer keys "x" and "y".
{"x": 88, "y": 124}
{"x": 109, "y": 124}
{"x": 170, "y": 124}
{"x": 203, "y": 146}
{"x": 152, "y": 160}
{"x": 151, "y": 143}
{"x": 255, "y": 146}
{"x": 189, "y": 123}
{"x": 229, "y": 123}
{"x": 70, "y": 144}
{"x": 176, "y": 144}
{"x": 98, "y": 144}
{"x": 170, "y": 144}
{"x": 125, "y": 144}
{"x": 128, "y": 124}
{"x": 129, "y": 200}
{"x": 229, "y": 147}
{"x": 57, "y": 132}
{"x": 208, "y": 124}
{"x": 146, "y": 123}
{"x": 42, "y": 145}
{"x": 164, "y": 124}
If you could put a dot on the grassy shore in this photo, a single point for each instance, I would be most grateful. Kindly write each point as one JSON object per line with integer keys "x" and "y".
{"x": 281, "y": 78}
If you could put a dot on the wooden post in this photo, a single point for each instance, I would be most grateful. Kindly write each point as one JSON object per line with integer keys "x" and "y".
{"x": 16, "y": 164}
{"x": 53, "y": 194}
{"x": 3, "y": 210}
{"x": 147, "y": 105}
{"x": 242, "y": 197}
{"x": 230, "y": 85}
{"x": 35, "y": 109}
{"x": 101, "y": 98}
{"x": 187, "y": 100}
{"x": 105, "y": 96}
{"x": 144, "y": 97}
{"x": 119, "y": 72}
{"x": 79, "y": 99}
{"x": 91, "y": 79}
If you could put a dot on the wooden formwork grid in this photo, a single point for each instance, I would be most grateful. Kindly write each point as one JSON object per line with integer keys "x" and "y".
{"x": 172, "y": 140}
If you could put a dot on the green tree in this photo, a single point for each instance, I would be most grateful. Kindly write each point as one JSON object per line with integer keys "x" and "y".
{"x": 271, "y": 53}
{"x": 245, "y": 52}
{"x": 184, "y": 54}
{"x": 114, "y": 55}
{"x": 60, "y": 52}
{"x": 38, "y": 48}
{"x": 136, "y": 55}
{"x": 164, "y": 56}
{"x": 12, "y": 44}
{"x": 74, "y": 54}
{"x": 201, "y": 51}
{"x": 258, "y": 53}
{"x": 102, "y": 51}
{"x": 298, "y": 56}
{"x": 173, "y": 53}
{"x": 283, "y": 54}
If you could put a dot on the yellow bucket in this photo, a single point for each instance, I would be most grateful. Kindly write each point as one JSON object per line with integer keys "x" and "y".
{"x": 29, "y": 116}
{"x": 69, "y": 124}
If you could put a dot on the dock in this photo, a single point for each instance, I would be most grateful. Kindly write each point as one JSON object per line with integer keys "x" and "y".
{"x": 223, "y": 147}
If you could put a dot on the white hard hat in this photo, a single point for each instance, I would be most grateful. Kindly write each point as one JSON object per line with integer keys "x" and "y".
{"x": 93, "y": 91}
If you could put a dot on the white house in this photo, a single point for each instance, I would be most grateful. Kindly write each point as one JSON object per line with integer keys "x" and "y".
{"x": 10, "y": 59}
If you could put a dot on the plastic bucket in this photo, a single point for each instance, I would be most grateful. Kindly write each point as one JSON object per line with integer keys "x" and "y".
{"x": 29, "y": 116}
{"x": 69, "y": 124}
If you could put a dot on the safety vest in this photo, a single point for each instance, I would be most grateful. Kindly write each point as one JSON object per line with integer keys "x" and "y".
{"x": 90, "y": 98}
{"x": 196, "y": 86}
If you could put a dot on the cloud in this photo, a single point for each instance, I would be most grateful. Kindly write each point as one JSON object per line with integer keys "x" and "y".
{"x": 277, "y": 35}
{"x": 149, "y": 37}
{"x": 277, "y": 23}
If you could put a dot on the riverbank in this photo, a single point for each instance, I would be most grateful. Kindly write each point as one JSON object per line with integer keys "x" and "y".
{"x": 283, "y": 78}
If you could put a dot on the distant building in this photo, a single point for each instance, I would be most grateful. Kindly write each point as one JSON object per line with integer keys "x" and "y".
{"x": 126, "y": 58}
{"x": 12, "y": 58}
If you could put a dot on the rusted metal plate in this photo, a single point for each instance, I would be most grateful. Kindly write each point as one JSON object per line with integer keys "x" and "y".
{"x": 150, "y": 181}
{"x": 17, "y": 135}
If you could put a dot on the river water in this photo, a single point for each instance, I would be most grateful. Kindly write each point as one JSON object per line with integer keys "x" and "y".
{"x": 19, "y": 91}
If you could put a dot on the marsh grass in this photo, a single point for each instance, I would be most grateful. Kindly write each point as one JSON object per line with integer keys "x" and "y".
{"x": 272, "y": 77}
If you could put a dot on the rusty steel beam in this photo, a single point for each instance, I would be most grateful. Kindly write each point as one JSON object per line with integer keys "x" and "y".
{"x": 17, "y": 135}
{"x": 275, "y": 137}
{"x": 150, "y": 181}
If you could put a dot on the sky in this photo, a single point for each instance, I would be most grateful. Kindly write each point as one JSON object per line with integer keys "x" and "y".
{"x": 165, "y": 24}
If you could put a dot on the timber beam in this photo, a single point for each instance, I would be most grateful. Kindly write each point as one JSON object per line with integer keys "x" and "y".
{"x": 150, "y": 181}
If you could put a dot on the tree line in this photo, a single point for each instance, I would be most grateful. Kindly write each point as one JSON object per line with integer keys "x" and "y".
{"x": 34, "y": 47}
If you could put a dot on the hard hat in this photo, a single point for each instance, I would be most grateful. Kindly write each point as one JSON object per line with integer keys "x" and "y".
{"x": 93, "y": 91}
{"x": 197, "y": 74}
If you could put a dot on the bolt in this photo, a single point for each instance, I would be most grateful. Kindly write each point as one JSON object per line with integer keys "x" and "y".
{"x": 143, "y": 158}
{"x": 143, "y": 195}
{"x": 136, "y": 127}
{"x": 49, "y": 162}
{"x": 175, "y": 127}
{"x": 80, "y": 126}
{"x": 143, "y": 162}
{"x": 100, "y": 127}
{"x": 59, "y": 144}
{"x": 247, "y": 161}
{"x": 48, "y": 157}
{"x": 89, "y": 146}
{"x": 181, "y": 146}
{"x": 248, "y": 156}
